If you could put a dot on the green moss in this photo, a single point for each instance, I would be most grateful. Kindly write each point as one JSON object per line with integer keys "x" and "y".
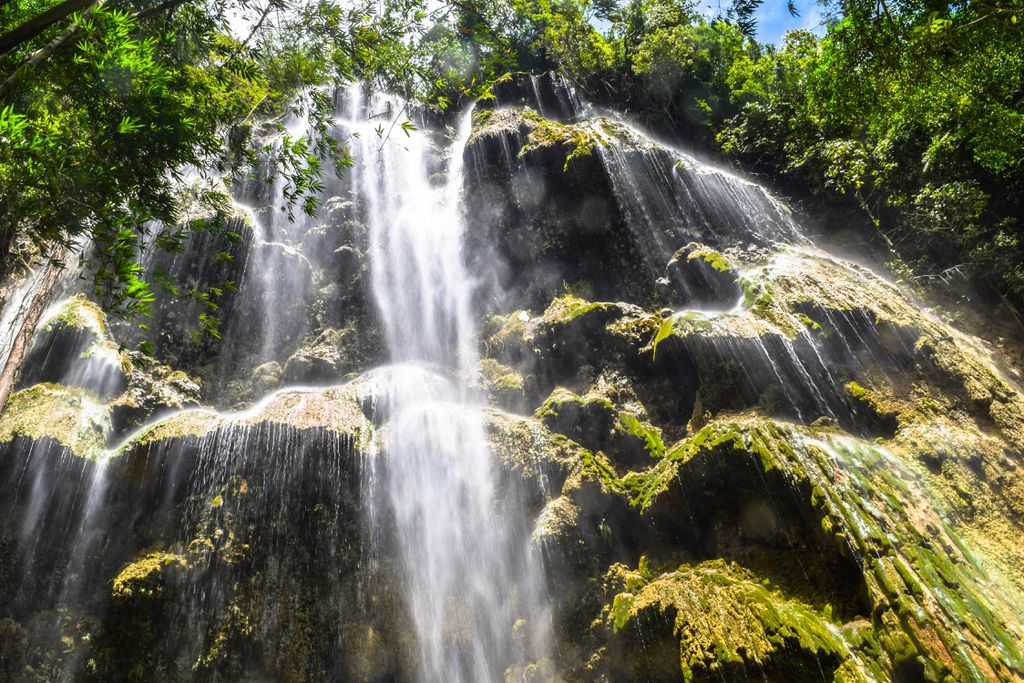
{"x": 568, "y": 307}
{"x": 555, "y": 403}
{"x": 506, "y": 333}
{"x": 78, "y": 313}
{"x": 544, "y": 133}
{"x": 721, "y": 615}
{"x": 481, "y": 117}
{"x": 711, "y": 257}
{"x": 811, "y": 324}
{"x": 145, "y": 578}
{"x": 647, "y": 433}
{"x": 500, "y": 378}
{"x": 72, "y": 417}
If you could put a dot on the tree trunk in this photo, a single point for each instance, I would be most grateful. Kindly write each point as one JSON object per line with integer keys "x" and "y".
{"x": 22, "y": 310}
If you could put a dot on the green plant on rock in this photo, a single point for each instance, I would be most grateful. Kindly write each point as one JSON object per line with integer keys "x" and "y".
{"x": 544, "y": 133}
{"x": 721, "y": 615}
{"x": 648, "y": 434}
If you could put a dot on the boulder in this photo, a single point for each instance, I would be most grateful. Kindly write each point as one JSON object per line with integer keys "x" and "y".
{"x": 71, "y": 347}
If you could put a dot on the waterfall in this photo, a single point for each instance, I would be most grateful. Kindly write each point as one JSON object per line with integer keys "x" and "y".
{"x": 468, "y": 573}
{"x": 811, "y": 477}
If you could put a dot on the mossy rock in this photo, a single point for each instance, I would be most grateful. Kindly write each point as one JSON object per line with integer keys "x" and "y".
{"x": 147, "y": 577}
{"x": 527, "y": 449}
{"x": 71, "y": 347}
{"x": 699, "y": 277}
{"x": 724, "y": 623}
{"x": 618, "y": 428}
{"x": 322, "y": 359}
{"x": 861, "y": 523}
{"x": 153, "y": 390}
{"x": 336, "y": 411}
{"x": 72, "y": 417}
{"x": 503, "y": 384}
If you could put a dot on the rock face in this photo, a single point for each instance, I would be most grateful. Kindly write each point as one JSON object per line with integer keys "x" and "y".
{"x": 740, "y": 456}
{"x": 593, "y": 200}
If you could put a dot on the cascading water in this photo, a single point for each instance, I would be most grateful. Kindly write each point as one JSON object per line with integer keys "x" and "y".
{"x": 469, "y": 574}
{"x": 810, "y": 478}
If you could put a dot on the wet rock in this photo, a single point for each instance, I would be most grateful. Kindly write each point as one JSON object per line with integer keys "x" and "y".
{"x": 215, "y": 254}
{"x": 71, "y": 347}
{"x": 624, "y": 205}
{"x": 699, "y": 277}
{"x": 13, "y": 651}
{"x": 550, "y": 94}
{"x": 514, "y": 159}
{"x": 153, "y": 390}
{"x": 324, "y": 359}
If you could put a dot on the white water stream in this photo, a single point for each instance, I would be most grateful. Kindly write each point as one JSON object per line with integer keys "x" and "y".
{"x": 462, "y": 547}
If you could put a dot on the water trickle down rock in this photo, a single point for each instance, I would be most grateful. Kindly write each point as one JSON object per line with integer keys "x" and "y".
{"x": 772, "y": 464}
{"x": 843, "y": 495}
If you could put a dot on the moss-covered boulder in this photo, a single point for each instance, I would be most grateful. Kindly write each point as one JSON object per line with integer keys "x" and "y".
{"x": 608, "y": 418}
{"x": 71, "y": 417}
{"x": 717, "y": 621}
{"x": 153, "y": 390}
{"x": 72, "y": 347}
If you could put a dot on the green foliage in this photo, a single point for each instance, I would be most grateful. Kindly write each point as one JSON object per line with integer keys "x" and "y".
{"x": 101, "y": 114}
{"x": 914, "y": 114}
{"x": 906, "y": 111}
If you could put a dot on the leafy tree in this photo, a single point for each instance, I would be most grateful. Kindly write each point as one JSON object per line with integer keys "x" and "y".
{"x": 105, "y": 106}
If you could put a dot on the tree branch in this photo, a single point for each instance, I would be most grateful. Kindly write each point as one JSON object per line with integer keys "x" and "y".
{"x": 37, "y": 57}
{"x": 39, "y": 23}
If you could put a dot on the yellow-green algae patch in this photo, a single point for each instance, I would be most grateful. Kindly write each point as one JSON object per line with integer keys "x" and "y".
{"x": 76, "y": 313}
{"x": 926, "y": 574}
{"x": 72, "y": 417}
{"x": 720, "y": 614}
{"x": 144, "y": 578}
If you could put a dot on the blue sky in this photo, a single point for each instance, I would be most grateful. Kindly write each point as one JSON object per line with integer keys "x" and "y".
{"x": 773, "y": 19}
